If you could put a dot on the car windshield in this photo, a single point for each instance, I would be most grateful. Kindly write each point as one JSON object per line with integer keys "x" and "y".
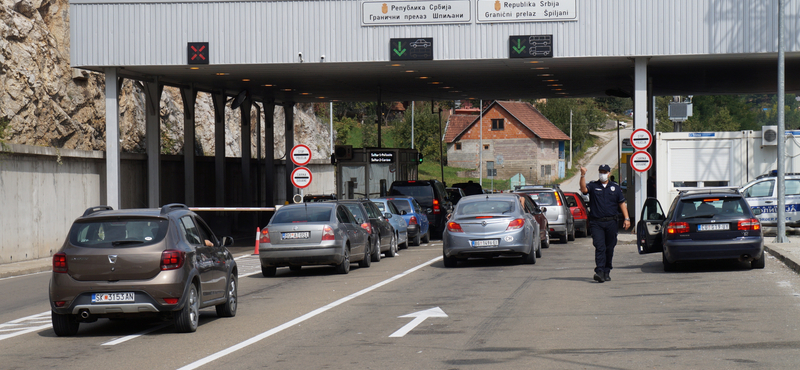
{"x": 422, "y": 193}
{"x": 485, "y": 207}
{"x": 118, "y": 233}
{"x": 302, "y": 214}
{"x": 544, "y": 198}
{"x": 402, "y": 205}
{"x": 710, "y": 207}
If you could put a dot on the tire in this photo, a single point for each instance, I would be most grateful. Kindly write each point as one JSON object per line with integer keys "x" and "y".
{"x": 582, "y": 233}
{"x": 539, "y": 251}
{"x": 64, "y": 325}
{"x": 427, "y": 238}
{"x": 376, "y": 253}
{"x": 269, "y": 271}
{"x": 546, "y": 242}
{"x": 563, "y": 238}
{"x": 366, "y": 262}
{"x": 668, "y": 266}
{"x": 416, "y": 242}
{"x": 571, "y": 236}
{"x": 530, "y": 258}
{"x": 450, "y": 261}
{"x": 392, "y": 247}
{"x": 295, "y": 268}
{"x": 188, "y": 317}
{"x": 759, "y": 263}
{"x": 344, "y": 267}
{"x": 228, "y": 309}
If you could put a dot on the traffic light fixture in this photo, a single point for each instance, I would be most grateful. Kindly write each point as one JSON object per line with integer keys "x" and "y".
{"x": 419, "y": 158}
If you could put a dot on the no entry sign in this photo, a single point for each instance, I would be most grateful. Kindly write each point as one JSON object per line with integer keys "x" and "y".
{"x": 641, "y": 161}
{"x": 300, "y": 155}
{"x": 301, "y": 177}
{"x": 641, "y": 139}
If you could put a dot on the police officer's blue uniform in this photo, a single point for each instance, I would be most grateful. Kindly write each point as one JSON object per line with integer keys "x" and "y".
{"x": 604, "y": 216}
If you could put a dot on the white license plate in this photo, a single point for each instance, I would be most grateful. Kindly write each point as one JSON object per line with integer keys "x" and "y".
{"x": 485, "y": 243}
{"x": 112, "y": 297}
{"x": 713, "y": 227}
{"x": 297, "y": 235}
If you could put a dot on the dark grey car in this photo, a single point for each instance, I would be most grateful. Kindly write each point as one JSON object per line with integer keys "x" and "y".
{"x": 382, "y": 236}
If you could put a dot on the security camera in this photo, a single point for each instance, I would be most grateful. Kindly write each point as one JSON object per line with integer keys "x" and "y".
{"x": 300, "y": 54}
{"x": 322, "y": 58}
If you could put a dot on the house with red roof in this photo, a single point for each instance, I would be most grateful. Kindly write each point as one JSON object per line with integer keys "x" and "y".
{"x": 517, "y": 139}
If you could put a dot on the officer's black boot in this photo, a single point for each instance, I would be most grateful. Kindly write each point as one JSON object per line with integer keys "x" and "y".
{"x": 598, "y": 277}
{"x": 607, "y": 276}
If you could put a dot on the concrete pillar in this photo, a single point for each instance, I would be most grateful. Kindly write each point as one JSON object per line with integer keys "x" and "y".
{"x": 288, "y": 113}
{"x": 112, "y": 139}
{"x": 219, "y": 147}
{"x": 247, "y": 187}
{"x": 269, "y": 153}
{"x": 189, "y": 97}
{"x": 640, "y": 103}
{"x": 152, "y": 98}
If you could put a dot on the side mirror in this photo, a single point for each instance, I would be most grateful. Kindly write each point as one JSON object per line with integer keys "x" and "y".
{"x": 544, "y": 209}
{"x": 387, "y": 215}
{"x": 756, "y": 211}
{"x": 403, "y": 212}
{"x": 227, "y": 241}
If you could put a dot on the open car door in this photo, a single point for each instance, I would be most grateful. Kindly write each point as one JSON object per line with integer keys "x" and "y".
{"x": 648, "y": 230}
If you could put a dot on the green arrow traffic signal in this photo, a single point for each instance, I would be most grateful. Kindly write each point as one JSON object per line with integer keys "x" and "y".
{"x": 519, "y": 48}
{"x": 399, "y": 51}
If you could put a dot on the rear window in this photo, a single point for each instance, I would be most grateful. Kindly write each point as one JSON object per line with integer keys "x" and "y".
{"x": 710, "y": 207}
{"x": 381, "y": 207}
{"x": 485, "y": 207}
{"x": 118, "y": 233}
{"x": 545, "y": 198}
{"x": 356, "y": 211}
{"x": 302, "y": 214}
{"x": 402, "y": 205}
{"x": 422, "y": 193}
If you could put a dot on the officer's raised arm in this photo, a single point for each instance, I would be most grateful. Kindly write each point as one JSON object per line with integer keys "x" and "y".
{"x": 582, "y": 182}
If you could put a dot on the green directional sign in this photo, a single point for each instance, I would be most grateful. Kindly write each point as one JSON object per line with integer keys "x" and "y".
{"x": 420, "y": 48}
{"x": 530, "y": 46}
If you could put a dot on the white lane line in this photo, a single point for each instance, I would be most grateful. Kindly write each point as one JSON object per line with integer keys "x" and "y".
{"x": 21, "y": 326}
{"x": 134, "y": 336}
{"x": 300, "y": 319}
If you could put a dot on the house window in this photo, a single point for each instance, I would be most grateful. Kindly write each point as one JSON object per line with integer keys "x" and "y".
{"x": 498, "y": 124}
{"x": 485, "y": 146}
{"x": 545, "y": 171}
{"x": 458, "y": 146}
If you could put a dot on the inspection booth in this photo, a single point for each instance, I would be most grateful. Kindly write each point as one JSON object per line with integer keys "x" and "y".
{"x": 369, "y": 172}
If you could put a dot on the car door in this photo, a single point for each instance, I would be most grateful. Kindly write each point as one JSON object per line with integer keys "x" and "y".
{"x": 204, "y": 258}
{"x": 650, "y": 227}
{"x": 761, "y": 195}
{"x": 792, "y": 212}
{"x": 379, "y": 223}
{"x": 219, "y": 270}
{"x": 529, "y": 209}
{"x": 358, "y": 216}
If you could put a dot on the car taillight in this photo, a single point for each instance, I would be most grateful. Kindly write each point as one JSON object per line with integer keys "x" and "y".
{"x": 171, "y": 300}
{"x": 327, "y": 233}
{"x": 412, "y": 220}
{"x": 749, "y": 225}
{"x": 59, "y": 303}
{"x": 454, "y": 227}
{"x": 60, "y": 262}
{"x": 172, "y": 259}
{"x": 367, "y": 226}
{"x": 436, "y": 209}
{"x": 515, "y": 224}
{"x": 558, "y": 199}
{"x": 577, "y": 212}
{"x": 264, "y": 236}
{"x": 677, "y": 228}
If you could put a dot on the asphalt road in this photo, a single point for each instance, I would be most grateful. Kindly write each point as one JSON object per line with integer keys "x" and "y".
{"x": 500, "y": 314}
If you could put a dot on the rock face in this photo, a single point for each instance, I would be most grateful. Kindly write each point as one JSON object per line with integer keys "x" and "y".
{"x": 45, "y": 102}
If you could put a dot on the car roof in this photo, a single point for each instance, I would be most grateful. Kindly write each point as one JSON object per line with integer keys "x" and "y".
{"x": 706, "y": 192}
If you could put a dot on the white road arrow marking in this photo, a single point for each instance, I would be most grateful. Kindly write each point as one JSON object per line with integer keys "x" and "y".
{"x": 419, "y": 317}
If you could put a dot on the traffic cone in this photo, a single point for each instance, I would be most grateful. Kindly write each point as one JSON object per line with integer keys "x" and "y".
{"x": 258, "y": 238}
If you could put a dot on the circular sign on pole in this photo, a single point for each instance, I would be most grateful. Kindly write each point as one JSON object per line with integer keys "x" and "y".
{"x": 301, "y": 177}
{"x": 641, "y": 139}
{"x": 300, "y": 154}
{"x": 641, "y": 161}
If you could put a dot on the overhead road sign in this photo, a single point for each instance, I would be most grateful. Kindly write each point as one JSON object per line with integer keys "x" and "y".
{"x": 641, "y": 161}
{"x": 641, "y": 139}
{"x": 532, "y": 46}
{"x": 384, "y": 13}
{"x": 300, "y": 154}
{"x": 420, "y": 48}
{"x": 494, "y": 11}
{"x": 198, "y": 53}
{"x": 301, "y": 177}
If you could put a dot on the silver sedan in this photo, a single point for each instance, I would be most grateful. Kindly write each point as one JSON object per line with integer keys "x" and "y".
{"x": 491, "y": 225}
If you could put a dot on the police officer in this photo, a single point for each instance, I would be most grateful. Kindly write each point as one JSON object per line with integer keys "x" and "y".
{"x": 606, "y": 202}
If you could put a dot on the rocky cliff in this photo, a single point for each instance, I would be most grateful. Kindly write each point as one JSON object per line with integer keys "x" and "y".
{"x": 45, "y": 102}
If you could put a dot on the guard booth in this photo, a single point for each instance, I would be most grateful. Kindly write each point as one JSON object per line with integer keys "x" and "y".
{"x": 369, "y": 172}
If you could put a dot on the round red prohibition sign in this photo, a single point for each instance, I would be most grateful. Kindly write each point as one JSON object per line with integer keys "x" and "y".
{"x": 300, "y": 154}
{"x": 641, "y": 161}
{"x": 641, "y": 139}
{"x": 301, "y": 177}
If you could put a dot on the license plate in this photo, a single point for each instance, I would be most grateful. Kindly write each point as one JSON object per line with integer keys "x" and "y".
{"x": 112, "y": 297}
{"x": 485, "y": 243}
{"x": 297, "y": 235}
{"x": 713, "y": 227}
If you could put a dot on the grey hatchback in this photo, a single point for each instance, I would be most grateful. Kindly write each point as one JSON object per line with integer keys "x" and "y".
{"x": 141, "y": 262}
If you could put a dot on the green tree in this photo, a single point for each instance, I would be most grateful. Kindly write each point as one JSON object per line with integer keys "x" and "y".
{"x": 707, "y": 113}
{"x": 426, "y": 131}
{"x": 586, "y": 116}
{"x": 663, "y": 124}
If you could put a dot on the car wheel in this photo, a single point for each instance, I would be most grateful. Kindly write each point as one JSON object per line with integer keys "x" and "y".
{"x": 546, "y": 242}
{"x": 228, "y": 309}
{"x": 563, "y": 238}
{"x": 530, "y": 258}
{"x": 539, "y": 251}
{"x": 450, "y": 261}
{"x": 367, "y": 260}
{"x": 344, "y": 267}
{"x": 416, "y": 241}
{"x": 571, "y": 236}
{"x": 187, "y": 318}
{"x": 64, "y": 325}
{"x": 295, "y": 268}
{"x": 376, "y": 253}
{"x": 269, "y": 271}
{"x": 392, "y": 247}
{"x": 759, "y": 263}
{"x": 427, "y": 238}
{"x": 668, "y": 266}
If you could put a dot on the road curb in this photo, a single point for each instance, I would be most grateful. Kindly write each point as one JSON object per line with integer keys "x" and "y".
{"x": 40, "y": 265}
{"x": 787, "y": 261}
